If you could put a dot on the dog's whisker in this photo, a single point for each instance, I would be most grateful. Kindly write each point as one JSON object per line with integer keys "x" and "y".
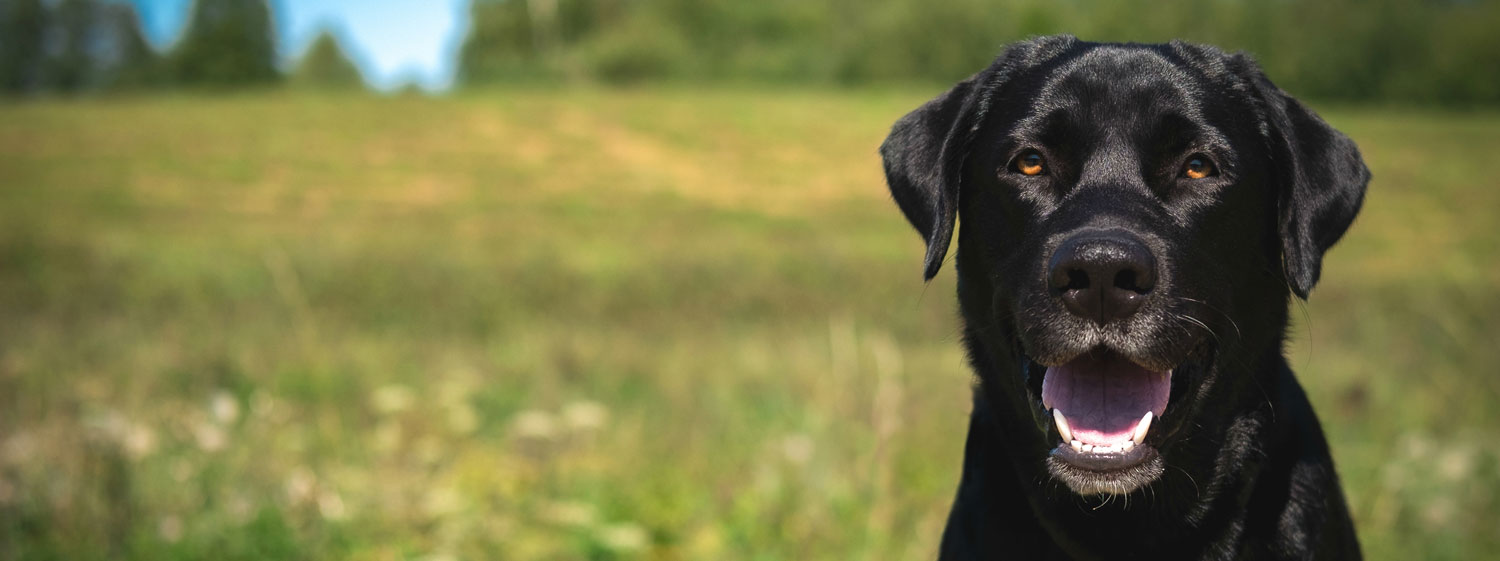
{"x": 1189, "y": 476}
{"x": 1210, "y": 307}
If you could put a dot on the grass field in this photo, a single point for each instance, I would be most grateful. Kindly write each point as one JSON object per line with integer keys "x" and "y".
{"x": 656, "y": 324}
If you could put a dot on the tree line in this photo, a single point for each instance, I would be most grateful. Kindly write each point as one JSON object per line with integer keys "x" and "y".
{"x": 69, "y": 46}
{"x": 1408, "y": 51}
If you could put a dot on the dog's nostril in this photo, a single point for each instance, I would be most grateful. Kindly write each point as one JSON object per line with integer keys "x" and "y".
{"x": 1078, "y": 279}
{"x": 1126, "y": 280}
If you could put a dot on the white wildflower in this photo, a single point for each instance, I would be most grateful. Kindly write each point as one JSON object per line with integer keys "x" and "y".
{"x": 331, "y": 505}
{"x": 225, "y": 408}
{"x": 535, "y": 424}
{"x": 585, "y": 415}
{"x": 392, "y": 398}
{"x": 797, "y": 448}
{"x": 441, "y": 501}
{"x": 210, "y": 437}
{"x": 300, "y": 485}
{"x": 624, "y": 537}
{"x": 139, "y": 441}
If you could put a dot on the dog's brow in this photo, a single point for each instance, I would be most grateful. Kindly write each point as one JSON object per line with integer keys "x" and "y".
{"x": 1173, "y": 131}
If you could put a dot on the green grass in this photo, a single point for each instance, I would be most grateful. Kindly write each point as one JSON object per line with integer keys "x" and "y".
{"x": 660, "y": 324}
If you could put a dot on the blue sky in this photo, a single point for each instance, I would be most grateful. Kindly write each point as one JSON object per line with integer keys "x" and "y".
{"x": 393, "y": 41}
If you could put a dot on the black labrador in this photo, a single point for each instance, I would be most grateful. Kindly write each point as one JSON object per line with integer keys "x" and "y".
{"x": 1133, "y": 220}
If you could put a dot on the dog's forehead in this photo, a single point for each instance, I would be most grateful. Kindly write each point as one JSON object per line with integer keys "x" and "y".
{"x": 1120, "y": 81}
{"x": 1122, "y": 65}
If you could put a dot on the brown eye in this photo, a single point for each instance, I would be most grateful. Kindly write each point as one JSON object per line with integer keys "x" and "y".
{"x": 1198, "y": 167}
{"x": 1029, "y": 163}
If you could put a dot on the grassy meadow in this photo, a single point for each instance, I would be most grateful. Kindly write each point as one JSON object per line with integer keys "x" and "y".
{"x": 646, "y": 324}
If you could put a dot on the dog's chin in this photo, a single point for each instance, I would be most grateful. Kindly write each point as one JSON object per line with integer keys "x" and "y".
{"x": 1103, "y": 411}
{"x": 1110, "y": 474}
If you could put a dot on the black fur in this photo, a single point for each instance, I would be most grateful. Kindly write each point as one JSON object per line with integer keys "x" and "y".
{"x": 1238, "y": 466}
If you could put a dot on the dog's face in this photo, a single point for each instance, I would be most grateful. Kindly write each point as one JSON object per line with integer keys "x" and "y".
{"x": 1126, "y": 213}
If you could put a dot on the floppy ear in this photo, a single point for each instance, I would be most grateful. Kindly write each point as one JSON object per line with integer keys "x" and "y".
{"x": 923, "y": 160}
{"x": 1322, "y": 181}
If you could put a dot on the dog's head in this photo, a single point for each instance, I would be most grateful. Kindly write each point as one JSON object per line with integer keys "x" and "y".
{"x": 1131, "y": 221}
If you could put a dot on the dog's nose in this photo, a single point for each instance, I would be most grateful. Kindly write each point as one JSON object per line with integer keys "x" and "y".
{"x": 1102, "y": 275}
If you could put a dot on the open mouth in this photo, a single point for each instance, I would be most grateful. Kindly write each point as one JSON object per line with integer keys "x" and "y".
{"x": 1102, "y": 405}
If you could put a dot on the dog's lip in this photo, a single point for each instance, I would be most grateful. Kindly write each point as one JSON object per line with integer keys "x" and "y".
{"x": 1104, "y": 463}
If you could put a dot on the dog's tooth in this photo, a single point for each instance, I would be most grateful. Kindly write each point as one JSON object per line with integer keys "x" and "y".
{"x": 1076, "y": 445}
{"x": 1088, "y": 447}
{"x": 1105, "y": 450}
{"x": 1062, "y": 425}
{"x": 1140, "y": 429}
{"x": 1127, "y": 445}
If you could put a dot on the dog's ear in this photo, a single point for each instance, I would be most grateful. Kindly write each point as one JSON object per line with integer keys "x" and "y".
{"x": 923, "y": 162}
{"x": 1322, "y": 181}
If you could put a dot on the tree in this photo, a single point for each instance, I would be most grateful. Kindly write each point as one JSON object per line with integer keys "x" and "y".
{"x": 501, "y": 44}
{"x": 23, "y": 25}
{"x": 72, "y": 67}
{"x": 228, "y": 43}
{"x": 326, "y": 65}
{"x": 132, "y": 61}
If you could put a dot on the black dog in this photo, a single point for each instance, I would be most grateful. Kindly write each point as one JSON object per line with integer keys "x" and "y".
{"x": 1133, "y": 220}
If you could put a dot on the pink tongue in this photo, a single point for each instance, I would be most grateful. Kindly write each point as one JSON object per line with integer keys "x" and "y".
{"x": 1104, "y": 396}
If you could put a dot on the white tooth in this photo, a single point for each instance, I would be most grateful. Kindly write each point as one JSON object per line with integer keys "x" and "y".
{"x": 1140, "y": 430}
{"x": 1105, "y": 450}
{"x": 1088, "y": 447}
{"x": 1077, "y": 445}
{"x": 1127, "y": 445}
{"x": 1062, "y": 425}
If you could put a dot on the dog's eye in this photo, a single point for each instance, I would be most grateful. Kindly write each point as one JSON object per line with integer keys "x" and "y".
{"x": 1029, "y": 163}
{"x": 1198, "y": 167}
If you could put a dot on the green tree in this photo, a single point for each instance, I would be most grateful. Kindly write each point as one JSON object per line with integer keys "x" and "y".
{"x": 326, "y": 65}
{"x": 23, "y": 25}
{"x": 132, "y": 62}
{"x": 501, "y": 45}
{"x": 228, "y": 43}
{"x": 72, "y": 67}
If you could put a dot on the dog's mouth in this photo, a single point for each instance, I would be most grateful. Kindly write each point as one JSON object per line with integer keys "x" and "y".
{"x": 1102, "y": 403}
{"x": 1102, "y": 407}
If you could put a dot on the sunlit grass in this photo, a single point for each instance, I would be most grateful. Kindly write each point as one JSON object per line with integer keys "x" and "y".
{"x": 647, "y": 324}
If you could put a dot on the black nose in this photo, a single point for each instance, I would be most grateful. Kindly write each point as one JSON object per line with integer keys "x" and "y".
{"x": 1102, "y": 275}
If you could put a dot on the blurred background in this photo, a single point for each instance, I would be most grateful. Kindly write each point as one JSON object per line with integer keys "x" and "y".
{"x": 620, "y": 279}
